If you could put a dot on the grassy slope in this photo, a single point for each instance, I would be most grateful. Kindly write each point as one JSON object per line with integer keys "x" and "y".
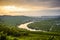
{"x": 14, "y": 20}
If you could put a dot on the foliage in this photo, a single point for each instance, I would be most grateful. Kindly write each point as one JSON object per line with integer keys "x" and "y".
{"x": 52, "y": 25}
{"x": 14, "y": 33}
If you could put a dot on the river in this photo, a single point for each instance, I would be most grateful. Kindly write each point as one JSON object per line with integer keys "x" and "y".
{"x": 24, "y": 26}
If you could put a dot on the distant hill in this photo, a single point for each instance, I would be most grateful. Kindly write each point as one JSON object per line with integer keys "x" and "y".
{"x": 14, "y": 20}
{"x": 39, "y": 18}
{"x": 50, "y": 16}
{"x": 17, "y": 20}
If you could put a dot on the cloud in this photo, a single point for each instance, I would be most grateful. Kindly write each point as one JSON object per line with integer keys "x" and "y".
{"x": 47, "y": 3}
{"x": 39, "y": 3}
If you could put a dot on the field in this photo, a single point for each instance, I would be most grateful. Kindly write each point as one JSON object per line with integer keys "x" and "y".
{"x": 46, "y": 25}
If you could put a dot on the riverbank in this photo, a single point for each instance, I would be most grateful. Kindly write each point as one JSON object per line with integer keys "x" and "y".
{"x": 24, "y": 26}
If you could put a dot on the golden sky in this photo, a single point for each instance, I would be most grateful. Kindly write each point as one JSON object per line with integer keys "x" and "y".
{"x": 30, "y": 7}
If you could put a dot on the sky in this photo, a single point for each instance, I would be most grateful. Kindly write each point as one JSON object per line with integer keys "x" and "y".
{"x": 30, "y": 7}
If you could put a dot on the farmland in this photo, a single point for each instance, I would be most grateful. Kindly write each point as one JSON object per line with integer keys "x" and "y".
{"x": 47, "y": 25}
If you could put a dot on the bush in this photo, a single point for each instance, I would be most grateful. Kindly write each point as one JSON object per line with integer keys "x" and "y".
{"x": 3, "y": 36}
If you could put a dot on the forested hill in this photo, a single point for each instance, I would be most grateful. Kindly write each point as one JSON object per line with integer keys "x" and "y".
{"x": 14, "y": 20}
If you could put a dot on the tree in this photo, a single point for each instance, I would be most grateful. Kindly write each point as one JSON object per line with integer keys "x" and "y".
{"x": 3, "y": 36}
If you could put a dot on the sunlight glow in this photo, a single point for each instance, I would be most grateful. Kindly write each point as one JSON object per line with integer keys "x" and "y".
{"x": 14, "y": 8}
{"x": 9, "y": 8}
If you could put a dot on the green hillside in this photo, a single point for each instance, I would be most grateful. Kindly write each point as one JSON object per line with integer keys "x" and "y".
{"x": 14, "y": 20}
{"x": 47, "y": 25}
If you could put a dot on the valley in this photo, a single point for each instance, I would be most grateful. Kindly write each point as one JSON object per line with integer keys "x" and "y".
{"x": 29, "y": 28}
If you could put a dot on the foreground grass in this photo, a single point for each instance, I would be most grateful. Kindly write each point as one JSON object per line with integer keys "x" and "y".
{"x": 30, "y": 35}
{"x": 35, "y": 36}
